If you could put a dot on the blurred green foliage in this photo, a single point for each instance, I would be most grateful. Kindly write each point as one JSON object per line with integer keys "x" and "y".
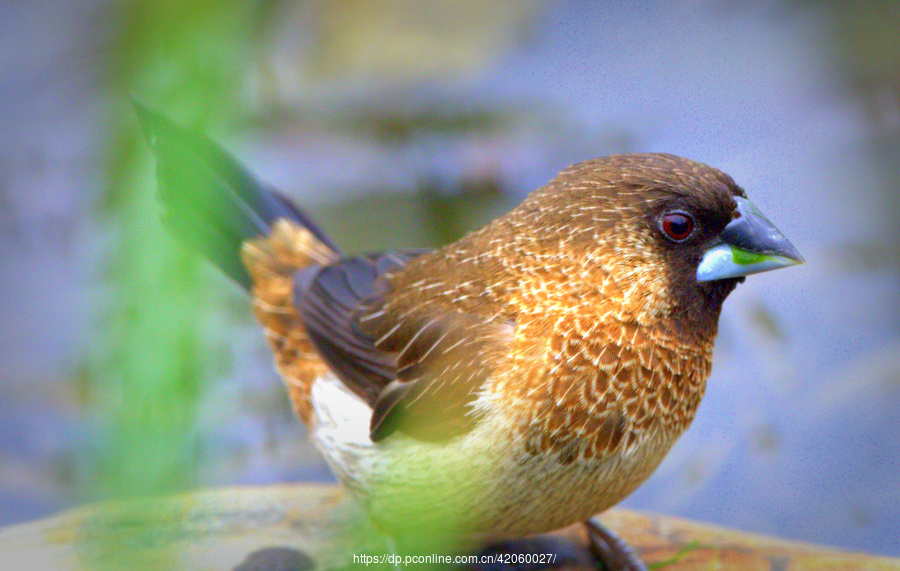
{"x": 147, "y": 365}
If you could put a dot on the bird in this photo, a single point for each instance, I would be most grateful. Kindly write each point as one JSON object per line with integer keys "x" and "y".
{"x": 526, "y": 377}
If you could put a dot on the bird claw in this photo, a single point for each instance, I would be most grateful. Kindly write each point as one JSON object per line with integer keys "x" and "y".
{"x": 611, "y": 551}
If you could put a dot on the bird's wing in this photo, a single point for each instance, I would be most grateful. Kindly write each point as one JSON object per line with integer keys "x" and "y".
{"x": 418, "y": 371}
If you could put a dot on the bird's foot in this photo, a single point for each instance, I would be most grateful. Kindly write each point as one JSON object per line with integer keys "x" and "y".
{"x": 611, "y": 551}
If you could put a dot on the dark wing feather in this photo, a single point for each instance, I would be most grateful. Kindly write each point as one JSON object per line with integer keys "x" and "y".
{"x": 418, "y": 370}
{"x": 442, "y": 363}
{"x": 328, "y": 299}
{"x": 212, "y": 202}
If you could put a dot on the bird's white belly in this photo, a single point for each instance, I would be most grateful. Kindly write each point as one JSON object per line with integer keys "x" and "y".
{"x": 483, "y": 482}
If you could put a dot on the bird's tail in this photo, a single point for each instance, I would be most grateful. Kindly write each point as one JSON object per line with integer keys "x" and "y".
{"x": 214, "y": 205}
{"x": 252, "y": 233}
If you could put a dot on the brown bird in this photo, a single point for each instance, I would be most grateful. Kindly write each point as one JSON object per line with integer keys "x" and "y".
{"x": 526, "y": 377}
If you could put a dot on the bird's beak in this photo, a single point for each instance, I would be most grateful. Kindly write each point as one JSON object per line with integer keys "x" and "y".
{"x": 749, "y": 244}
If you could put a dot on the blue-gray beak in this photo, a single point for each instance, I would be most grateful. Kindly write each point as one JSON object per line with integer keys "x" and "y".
{"x": 749, "y": 244}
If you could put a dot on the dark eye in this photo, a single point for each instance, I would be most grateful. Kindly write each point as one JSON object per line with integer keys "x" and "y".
{"x": 677, "y": 226}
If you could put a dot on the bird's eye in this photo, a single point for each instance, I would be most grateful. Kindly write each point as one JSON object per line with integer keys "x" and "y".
{"x": 677, "y": 226}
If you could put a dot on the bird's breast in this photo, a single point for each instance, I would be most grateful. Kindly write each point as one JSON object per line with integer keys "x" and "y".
{"x": 569, "y": 424}
{"x": 590, "y": 390}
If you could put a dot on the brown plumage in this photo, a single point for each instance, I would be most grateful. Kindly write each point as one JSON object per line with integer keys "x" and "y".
{"x": 527, "y": 376}
{"x": 605, "y": 351}
{"x": 271, "y": 262}
{"x": 567, "y": 315}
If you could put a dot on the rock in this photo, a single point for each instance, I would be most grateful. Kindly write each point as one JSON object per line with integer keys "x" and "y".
{"x": 306, "y": 527}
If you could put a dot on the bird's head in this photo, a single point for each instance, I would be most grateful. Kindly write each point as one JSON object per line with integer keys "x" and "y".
{"x": 660, "y": 235}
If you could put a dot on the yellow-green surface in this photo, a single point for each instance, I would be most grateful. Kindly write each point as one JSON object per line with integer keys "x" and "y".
{"x": 218, "y": 529}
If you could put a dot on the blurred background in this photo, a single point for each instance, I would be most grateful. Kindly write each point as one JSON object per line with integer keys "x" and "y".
{"x": 129, "y": 367}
